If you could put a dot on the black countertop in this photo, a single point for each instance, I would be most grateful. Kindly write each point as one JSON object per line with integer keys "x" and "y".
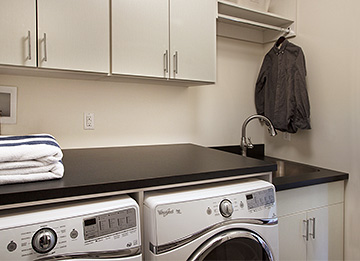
{"x": 101, "y": 170}
{"x": 319, "y": 176}
{"x": 306, "y": 175}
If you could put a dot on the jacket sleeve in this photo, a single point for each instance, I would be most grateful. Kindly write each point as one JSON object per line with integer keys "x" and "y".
{"x": 302, "y": 112}
{"x": 260, "y": 88}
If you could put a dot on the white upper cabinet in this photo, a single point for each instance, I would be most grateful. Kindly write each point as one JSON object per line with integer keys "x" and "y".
{"x": 140, "y": 37}
{"x": 74, "y": 35}
{"x": 18, "y": 32}
{"x": 157, "y": 39}
{"x": 193, "y": 40}
{"x": 173, "y": 39}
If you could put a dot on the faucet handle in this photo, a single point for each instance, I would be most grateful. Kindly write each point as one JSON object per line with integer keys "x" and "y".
{"x": 249, "y": 144}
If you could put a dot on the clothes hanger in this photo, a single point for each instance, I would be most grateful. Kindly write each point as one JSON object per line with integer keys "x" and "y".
{"x": 282, "y": 38}
{"x": 280, "y": 41}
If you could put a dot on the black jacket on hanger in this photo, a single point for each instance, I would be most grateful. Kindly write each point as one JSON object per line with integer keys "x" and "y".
{"x": 280, "y": 92}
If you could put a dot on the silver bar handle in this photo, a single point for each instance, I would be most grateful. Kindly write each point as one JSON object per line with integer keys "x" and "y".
{"x": 176, "y": 62}
{"x": 45, "y": 48}
{"x": 306, "y": 223}
{"x": 166, "y": 61}
{"x": 29, "y": 45}
{"x": 313, "y": 228}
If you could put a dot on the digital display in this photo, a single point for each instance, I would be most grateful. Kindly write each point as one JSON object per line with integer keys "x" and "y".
{"x": 261, "y": 198}
{"x": 89, "y": 222}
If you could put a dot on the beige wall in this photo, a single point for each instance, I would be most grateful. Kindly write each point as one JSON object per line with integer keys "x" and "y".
{"x": 328, "y": 34}
{"x": 221, "y": 109}
{"x": 124, "y": 113}
{"x": 130, "y": 113}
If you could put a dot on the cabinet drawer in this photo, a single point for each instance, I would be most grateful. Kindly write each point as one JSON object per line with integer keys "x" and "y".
{"x": 305, "y": 198}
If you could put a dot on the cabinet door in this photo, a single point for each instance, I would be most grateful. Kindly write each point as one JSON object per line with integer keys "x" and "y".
{"x": 292, "y": 243}
{"x": 74, "y": 35}
{"x": 326, "y": 233}
{"x": 18, "y": 32}
{"x": 140, "y": 37}
{"x": 193, "y": 39}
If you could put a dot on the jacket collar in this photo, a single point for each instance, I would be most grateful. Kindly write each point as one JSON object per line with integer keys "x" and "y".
{"x": 282, "y": 47}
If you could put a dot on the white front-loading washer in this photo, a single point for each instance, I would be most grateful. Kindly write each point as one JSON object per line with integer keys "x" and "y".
{"x": 232, "y": 221}
{"x": 102, "y": 229}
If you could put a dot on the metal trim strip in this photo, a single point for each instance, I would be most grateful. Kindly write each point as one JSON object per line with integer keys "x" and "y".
{"x": 183, "y": 241}
{"x": 96, "y": 255}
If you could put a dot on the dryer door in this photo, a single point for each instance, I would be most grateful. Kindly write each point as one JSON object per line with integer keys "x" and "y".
{"x": 235, "y": 244}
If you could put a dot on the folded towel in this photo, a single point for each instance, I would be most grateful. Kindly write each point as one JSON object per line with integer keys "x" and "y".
{"x": 29, "y": 158}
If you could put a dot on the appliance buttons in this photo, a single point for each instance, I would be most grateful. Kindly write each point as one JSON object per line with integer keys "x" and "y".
{"x": 11, "y": 246}
{"x": 74, "y": 234}
{"x": 241, "y": 204}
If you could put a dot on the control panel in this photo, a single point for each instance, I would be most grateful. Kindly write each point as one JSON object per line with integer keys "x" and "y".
{"x": 109, "y": 223}
{"x": 208, "y": 205}
{"x": 255, "y": 201}
{"x": 262, "y": 198}
{"x": 53, "y": 233}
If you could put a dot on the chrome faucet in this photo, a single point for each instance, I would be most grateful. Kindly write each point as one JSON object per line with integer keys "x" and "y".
{"x": 247, "y": 144}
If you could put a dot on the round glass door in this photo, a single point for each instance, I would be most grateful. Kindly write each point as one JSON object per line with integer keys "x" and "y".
{"x": 235, "y": 244}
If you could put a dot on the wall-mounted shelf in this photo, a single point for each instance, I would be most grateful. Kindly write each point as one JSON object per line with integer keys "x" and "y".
{"x": 242, "y": 23}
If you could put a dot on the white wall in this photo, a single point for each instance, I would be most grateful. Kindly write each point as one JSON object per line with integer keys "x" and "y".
{"x": 124, "y": 113}
{"x": 325, "y": 44}
{"x": 328, "y": 33}
{"x": 221, "y": 109}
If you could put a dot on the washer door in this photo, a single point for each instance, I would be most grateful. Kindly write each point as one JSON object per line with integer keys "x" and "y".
{"x": 234, "y": 244}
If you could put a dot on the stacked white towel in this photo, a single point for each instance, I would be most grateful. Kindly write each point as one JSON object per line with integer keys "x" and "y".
{"x": 30, "y": 158}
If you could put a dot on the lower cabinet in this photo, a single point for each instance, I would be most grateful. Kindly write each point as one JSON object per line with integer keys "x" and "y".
{"x": 311, "y": 222}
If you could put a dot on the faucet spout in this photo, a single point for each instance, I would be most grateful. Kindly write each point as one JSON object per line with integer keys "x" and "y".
{"x": 244, "y": 144}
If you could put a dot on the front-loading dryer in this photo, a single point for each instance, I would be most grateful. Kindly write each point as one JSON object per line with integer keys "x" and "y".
{"x": 98, "y": 229}
{"x": 232, "y": 221}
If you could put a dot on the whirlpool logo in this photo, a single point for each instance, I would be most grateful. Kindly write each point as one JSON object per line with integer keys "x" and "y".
{"x": 168, "y": 211}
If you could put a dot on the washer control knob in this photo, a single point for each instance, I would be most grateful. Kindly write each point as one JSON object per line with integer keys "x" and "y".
{"x": 44, "y": 240}
{"x": 226, "y": 208}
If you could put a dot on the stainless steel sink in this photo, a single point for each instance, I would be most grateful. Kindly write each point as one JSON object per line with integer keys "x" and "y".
{"x": 289, "y": 168}
{"x": 284, "y": 168}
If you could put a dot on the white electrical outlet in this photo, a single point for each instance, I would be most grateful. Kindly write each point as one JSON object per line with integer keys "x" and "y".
{"x": 89, "y": 121}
